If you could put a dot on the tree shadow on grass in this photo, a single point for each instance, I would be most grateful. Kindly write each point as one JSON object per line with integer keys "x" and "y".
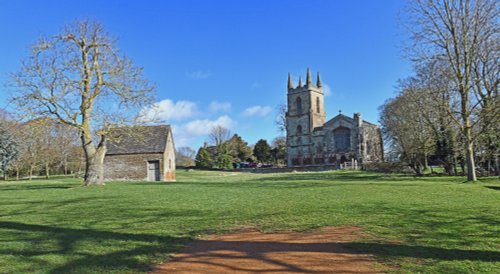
{"x": 34, "y": 187}
{"x": 493, "y": 187}
{"x": 425, "y": 252}
{"x": 68, "y": 240}
{"x": 229, "y": 256}
{"x": 286, "y": 184}
{"x": 306, "y": 180}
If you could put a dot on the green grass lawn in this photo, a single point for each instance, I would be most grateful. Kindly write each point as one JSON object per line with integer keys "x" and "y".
{"x": 429, "y": 225}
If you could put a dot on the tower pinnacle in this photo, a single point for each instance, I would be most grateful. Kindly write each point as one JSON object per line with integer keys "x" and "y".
{"x": 308, "y": 79}
{"x": 290, "y": 83}
{"x": 300, "y": 81}
{"x": 318, "y": 82}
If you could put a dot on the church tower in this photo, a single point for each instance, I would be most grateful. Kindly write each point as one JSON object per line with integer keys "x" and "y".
{"x": 306, "y": 112}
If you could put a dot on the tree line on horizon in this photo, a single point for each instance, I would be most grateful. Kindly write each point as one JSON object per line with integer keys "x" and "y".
{"x": 38, "y": 147}
{"x": 223, "y": 151}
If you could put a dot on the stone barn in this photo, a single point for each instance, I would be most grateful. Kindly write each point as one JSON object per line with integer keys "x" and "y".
{"x": 140, "y": 153}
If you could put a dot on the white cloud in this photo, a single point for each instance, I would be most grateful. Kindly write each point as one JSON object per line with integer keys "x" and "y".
{"x": 257, "y": 111}
{"x": 167, "y": 110}
{"x": 184, "y": 134}
{"x": 216, "y": 106}
{"x": 204, "y": 126}
{"x": 181, "y": 137}
{"x": 327, "y": 90}
{"x": 199, "y": 74}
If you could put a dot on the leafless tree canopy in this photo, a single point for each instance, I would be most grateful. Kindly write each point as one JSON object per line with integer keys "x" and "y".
{"x": 281, "y": 118}
{"x": 219, "y": 135}
{"x": 80, "y": 77}
{"x": 78, "y": 73}
{"x": 464, "y": 35}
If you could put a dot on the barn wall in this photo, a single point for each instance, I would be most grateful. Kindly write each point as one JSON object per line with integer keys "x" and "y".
{"x": 130, "y": 166}
{"x": 169, "y": 160}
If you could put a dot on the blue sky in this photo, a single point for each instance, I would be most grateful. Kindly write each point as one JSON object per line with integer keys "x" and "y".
{"x": 226, "y": 62}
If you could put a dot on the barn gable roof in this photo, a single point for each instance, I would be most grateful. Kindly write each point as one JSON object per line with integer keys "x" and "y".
{"x": 138, "y": 139}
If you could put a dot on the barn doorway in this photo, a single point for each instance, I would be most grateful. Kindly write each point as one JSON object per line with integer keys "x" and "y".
{"x": 153, "y": 170}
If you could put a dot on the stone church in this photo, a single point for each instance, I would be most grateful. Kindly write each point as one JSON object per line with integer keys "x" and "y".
{"x": 312, "y": 140}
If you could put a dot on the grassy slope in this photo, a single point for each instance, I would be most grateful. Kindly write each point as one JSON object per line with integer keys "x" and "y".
{"x": 424, "y": 224}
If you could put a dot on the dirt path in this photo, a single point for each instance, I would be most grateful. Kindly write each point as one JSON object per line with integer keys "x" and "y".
{"x": 321, "y": 251}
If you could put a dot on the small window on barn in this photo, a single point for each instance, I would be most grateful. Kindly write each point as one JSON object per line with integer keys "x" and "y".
{"x": 298, "y": 102}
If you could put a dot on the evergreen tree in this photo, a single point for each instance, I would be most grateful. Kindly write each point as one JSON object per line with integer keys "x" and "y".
{"x": 203, "y": 158}
{"x": 238, "y": 148}
{"x": 279, "y": 150}
{"x": 262, "y": 151}
{"x": 224, "y": 161}
{"x": 8, "y": 150}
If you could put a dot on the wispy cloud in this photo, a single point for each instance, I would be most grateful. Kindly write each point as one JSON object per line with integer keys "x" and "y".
{"x": 260, "y": 111}
{"x": 199, "y": 74}
{"x": 216, "y": 106}
{"x": 327, "y": 90}
{"x": 167, "y": 110}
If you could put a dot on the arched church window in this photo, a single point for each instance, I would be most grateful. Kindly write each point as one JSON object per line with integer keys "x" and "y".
{"x": 342, "y": 138}
{"x": 298, "y": 102}
{"x": 317, "y": 105}
{"x": 299, "y": 129}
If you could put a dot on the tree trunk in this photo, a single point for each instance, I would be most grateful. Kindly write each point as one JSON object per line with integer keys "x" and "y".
{"x": 17, "y": 173}
{"x": 31, "y": 173}
{"x": 497, "y": 166}
{"x": 94, "y": 169}
{"x": 489, "y": 167}
{"x": 94, "y": 163}
{"x": 47, "y": 171}
{"x": 469, "y": 158}
{"x": 455, "y": 171}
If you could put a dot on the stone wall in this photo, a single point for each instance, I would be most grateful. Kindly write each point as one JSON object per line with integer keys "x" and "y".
{"x": 372, "y": 146}
{"x": 131, "y": 166}
{"x": 169, "y": 160}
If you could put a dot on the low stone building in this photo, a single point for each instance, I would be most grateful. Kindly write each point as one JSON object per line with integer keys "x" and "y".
{"x": 312, "y": 140}
{"x": 140, "y": 153}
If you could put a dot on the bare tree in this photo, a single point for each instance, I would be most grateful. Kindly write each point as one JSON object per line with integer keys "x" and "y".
{"x": 185, "y": 156}
{"x": 32, "y": 134}
{"x": 219, "y": 135}
{"x": 9, "y": 148}
{"x": 65, "y": 143}
{"x": 408, "y": 127}
{"x": 80, "y": 78}
{"x": 281, "y": 118}
{"x": 459, "y": 33}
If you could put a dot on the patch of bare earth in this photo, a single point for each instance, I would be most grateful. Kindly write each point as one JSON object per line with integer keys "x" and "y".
{"x": 320, "y": 251}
